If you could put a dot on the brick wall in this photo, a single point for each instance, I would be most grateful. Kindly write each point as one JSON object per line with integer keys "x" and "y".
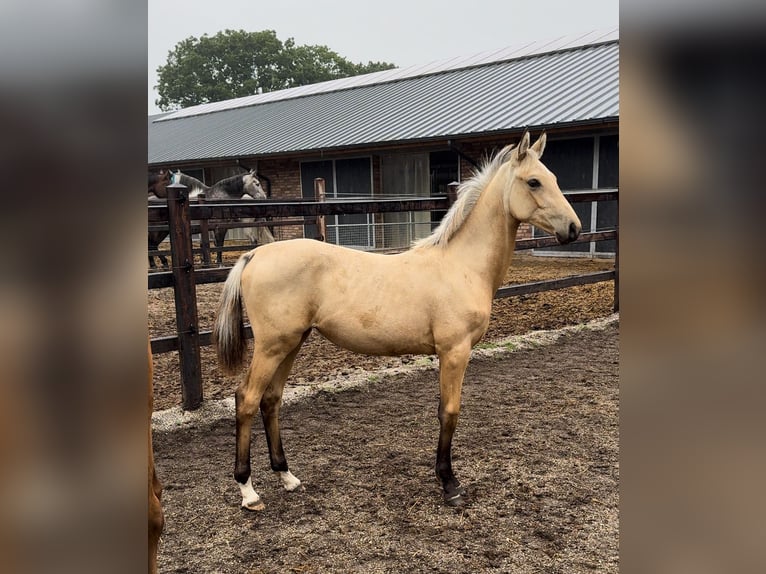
{"x": 285, "y": 176}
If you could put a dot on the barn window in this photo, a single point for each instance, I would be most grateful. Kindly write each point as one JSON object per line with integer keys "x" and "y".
{"x": 344, "y": 178}
{"x": 420, "y": 174}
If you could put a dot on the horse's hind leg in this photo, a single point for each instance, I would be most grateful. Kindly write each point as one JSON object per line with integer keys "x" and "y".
{"x": 261, "y": 375}
{"x": 220, "y": 239}
{"x": 152, "y": 247}
{"x": 452, "y": 366}
{"x": 270, "y": 406}
{"x": 247, "y": 398}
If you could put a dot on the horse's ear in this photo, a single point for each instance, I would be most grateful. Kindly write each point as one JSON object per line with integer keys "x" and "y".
{"x": 539, "y": 145}
{"x": 523, "y": 146}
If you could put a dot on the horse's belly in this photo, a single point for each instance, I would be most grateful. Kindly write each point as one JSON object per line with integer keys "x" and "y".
{"x": 378, "y": 338}
{"x": 359, "y": 343}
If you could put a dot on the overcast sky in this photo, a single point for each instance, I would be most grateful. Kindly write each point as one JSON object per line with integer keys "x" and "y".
{"x": 404, "y": 32}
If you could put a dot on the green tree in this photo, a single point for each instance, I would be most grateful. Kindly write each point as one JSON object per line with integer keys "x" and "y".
{"x": 236, "y": 63}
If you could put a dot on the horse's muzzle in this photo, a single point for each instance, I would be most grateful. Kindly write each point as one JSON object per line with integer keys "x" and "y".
{"x": 574, "y": 233}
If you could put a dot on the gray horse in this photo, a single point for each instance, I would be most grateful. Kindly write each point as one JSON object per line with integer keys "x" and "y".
{"x": 243, "y": 186}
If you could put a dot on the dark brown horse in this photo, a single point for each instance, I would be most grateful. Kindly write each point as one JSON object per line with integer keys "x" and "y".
{"x": 158, "y": 181}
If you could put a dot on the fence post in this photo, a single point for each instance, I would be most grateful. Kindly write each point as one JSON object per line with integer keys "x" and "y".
{"x": 617, "y": 265}
{"x": 185, "y": 296}
{"x": 204, "y": 235}
{"x": 319, "y": 195}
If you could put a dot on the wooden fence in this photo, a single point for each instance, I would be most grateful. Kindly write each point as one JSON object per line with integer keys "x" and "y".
{"x": 179, "y": 213}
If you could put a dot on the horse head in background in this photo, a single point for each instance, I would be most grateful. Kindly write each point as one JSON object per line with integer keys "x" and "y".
{"x": 158, "y": 181}
{"x": 241, "y": 186}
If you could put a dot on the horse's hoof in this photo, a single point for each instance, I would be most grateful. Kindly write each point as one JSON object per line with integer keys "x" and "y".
{"x": 456, "y": 500}
{"x": 255, "y": 506}
{"x": 290, "y": 482}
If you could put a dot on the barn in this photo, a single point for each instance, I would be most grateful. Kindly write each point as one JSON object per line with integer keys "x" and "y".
{"x": 409, "y": 132}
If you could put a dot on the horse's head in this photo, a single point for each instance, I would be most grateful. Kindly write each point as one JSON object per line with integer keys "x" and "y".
{"x": 158, "y": 181}
{"x": 252, "y": 186}
{"x": 534, "y": 195}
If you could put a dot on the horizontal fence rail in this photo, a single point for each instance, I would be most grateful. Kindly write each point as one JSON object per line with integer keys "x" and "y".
{"x": 163, "y": 279}
{"x": 186, "y": 217}
{"x": 170, "y": 343}
{"x": 235, "y": 209}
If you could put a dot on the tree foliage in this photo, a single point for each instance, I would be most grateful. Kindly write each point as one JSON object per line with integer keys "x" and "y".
{"x": 236, "y": 63}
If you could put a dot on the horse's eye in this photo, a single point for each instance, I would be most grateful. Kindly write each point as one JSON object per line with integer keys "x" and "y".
{"x": 533, "y": 183}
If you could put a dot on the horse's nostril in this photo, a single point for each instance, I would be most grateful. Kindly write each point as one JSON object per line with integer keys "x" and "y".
{"x": 573, "y": 232}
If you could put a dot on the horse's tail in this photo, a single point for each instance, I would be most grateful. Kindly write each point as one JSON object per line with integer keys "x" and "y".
{"x": 229, "y": 328}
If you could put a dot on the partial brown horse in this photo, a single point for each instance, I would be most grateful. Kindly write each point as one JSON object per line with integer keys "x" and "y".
{"x": 156, "y": 516}
{"x": 435, "y": 298}
{"x": 158, "y": 181}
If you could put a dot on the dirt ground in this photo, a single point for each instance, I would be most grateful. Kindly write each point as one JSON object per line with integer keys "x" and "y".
{"x": 320, "y": 360}
{"x": 536, "y": 447}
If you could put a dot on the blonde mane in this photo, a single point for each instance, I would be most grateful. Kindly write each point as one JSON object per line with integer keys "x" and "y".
{"x": 467, "y": 195}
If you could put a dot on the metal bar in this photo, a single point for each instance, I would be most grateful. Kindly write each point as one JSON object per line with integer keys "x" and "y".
{"x": 226, "y": 210}
{"x": 551, "y": 284}
{"x": 591, "y": 196}
{"x": 185, "y": 296}
{"x": 297, "y": 208}
{"x": 551, "y": 241}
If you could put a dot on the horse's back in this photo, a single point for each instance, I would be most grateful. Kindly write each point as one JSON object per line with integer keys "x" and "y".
{"x": 294, "y": 259}
{"x": 291, "y": 264}
{"x": 366, "y": 302}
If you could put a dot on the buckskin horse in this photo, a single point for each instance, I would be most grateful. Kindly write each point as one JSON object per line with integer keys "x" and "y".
{"x": 434, "y": 298}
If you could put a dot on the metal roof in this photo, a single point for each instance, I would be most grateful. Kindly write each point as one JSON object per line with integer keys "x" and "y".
{"x": 540, "y": 84}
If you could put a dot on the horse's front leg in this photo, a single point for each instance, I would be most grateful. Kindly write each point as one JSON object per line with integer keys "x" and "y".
{"x": 452, "y": 366}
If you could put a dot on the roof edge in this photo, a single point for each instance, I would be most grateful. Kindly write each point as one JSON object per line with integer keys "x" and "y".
{"x": 394, "y": 144}
{"x": 516, "y": 52}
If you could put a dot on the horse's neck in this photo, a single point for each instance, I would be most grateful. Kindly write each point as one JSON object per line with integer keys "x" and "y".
{"x": 486, "y": 239}
{"x": 226, "y": 189}
{"x": 192, "y": 182}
